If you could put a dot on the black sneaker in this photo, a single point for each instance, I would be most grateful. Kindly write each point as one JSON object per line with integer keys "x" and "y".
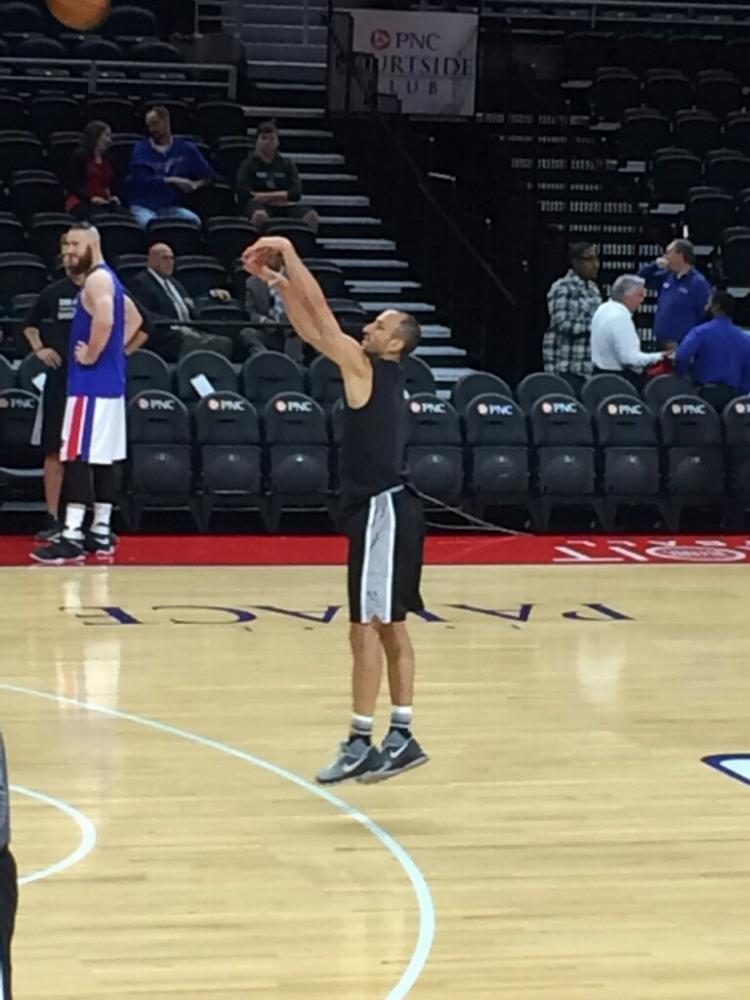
{"x": 51, "y": 531}
{"x": 99, "y": 544}
{"x": 61, "y": 553}
{"x": 356, "y": 758}
{"x": 399, "y": 753}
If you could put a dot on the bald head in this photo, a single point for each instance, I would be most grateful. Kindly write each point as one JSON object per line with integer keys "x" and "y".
{"x": 161, "y": 259}
{"x": 83, "y": 248}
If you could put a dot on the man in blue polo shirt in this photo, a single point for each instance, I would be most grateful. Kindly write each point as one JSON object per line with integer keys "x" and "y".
{"x": 716, "y": 352}
{"x": 163, "y": 170}
{"x": 683, "y": 292}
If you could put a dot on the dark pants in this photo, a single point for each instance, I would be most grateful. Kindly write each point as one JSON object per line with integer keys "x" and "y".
{"x": 8, "y": 907}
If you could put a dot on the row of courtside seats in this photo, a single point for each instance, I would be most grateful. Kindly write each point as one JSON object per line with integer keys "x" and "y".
{"x": 282, "y": 454}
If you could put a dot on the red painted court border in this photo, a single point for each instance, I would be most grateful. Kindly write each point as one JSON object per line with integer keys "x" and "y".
{"x": 441, "y": 550}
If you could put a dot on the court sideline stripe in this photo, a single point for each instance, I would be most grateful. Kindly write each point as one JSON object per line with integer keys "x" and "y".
{"x": 87, "y": 828}
{"x": 426, "y": 933}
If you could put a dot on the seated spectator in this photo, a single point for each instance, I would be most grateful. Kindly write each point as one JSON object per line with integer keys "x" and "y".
{"x": 268, "y": 183}
{"x": 90, "y": 174}
{"x": 615, "y": 345}
{"x": 163, "y": 170}
{"x": 717, "y": 352}
{"x": 683, "y": 292}
{"x": 572, "y": 301}
{"x": 272, "y": 332}
{"x": 171, "y": 311}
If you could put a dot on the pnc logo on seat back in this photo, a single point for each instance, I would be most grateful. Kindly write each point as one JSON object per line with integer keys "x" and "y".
{"x": 161, "y": 405}
{"x": 227, "y": 405}
{"x": 689, "y": 409}
{"x": 294, "y": 405}
{"x": 17, "y": 403}
{"x": 427, "y": 407}
{"x": 560, "y": 406}
{"x": 495, "y": 409}
{"x": 625, "y": 409}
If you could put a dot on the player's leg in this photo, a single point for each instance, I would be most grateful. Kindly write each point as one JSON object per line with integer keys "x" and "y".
{"x": 53, "y": 412}
{"x": 79, "y": 494}
{"x": 100, "y": 539}
{"x": 401, "y": 751}
{"x": 8, "y": 906}
{"x": 357, "y": 755}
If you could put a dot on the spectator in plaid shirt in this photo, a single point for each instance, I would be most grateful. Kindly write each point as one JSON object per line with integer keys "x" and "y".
{"x": 571, "y": 302}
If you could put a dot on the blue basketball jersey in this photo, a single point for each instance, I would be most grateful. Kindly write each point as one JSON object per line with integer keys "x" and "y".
{"x": 107, "y": 378}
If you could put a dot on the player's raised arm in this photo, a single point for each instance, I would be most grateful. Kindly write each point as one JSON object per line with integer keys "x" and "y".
{"x": 305, "y": 305}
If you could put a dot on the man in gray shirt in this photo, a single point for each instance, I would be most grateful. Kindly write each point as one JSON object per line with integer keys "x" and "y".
{"x": 8, "y": 881}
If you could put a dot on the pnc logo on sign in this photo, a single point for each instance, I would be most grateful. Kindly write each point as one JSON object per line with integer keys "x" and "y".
{"x": 294, "y": 406}
{"x": 22, "y": 403}
{"x": 380, "y": 39}
{"x": 495, "y": 409}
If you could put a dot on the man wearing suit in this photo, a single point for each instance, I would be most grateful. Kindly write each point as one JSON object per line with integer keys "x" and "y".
{"x": 267, "y": 314}
{"x": 167, "y": 301}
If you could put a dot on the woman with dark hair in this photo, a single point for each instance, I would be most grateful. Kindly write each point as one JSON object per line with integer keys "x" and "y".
{"x": 90, "y": 174}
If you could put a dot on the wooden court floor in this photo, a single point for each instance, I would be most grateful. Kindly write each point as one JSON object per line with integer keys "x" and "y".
{"x": 567, "y": 840}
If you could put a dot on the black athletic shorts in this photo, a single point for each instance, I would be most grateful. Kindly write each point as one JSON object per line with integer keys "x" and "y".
{"x": 53, "y": 412}
{"x": 386, "y": 541}
{"x": 8, "y": 906}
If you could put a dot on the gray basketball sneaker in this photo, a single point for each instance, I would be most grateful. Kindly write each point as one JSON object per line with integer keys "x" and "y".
{"x": 356, "y": 758}
{"x": 400, "y": 753}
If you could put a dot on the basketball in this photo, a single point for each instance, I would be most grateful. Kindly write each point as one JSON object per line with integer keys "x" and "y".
{"x": 79, "y": 14}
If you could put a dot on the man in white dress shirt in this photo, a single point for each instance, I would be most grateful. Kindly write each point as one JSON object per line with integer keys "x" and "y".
{"x": 615, "y": 345}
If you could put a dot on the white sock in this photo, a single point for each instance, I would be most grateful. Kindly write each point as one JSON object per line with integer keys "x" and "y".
{"x": 102, "y": 517}
{"x": 361, "y": 726}
{"x": 74, "y": 515}
{"x": 401, "y": 717}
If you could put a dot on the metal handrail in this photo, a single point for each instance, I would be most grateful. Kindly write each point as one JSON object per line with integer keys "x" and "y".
{"x": 97, "y": 66}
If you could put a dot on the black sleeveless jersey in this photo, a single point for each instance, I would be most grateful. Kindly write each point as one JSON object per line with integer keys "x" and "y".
{"x": 374, "y": 436}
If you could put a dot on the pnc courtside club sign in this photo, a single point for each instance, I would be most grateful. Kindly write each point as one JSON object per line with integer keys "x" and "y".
{"x": 428, "y": 60}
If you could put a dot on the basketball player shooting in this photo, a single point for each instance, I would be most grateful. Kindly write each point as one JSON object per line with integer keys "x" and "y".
{"x": 381, "y": 515}
{"x": 93, "y": 438}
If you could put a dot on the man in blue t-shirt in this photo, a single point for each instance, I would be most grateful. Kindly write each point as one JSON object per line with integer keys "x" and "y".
{"x": 683, "y": 292}
{"x": 163, "y": 169}
{"x": 717, "y": 352}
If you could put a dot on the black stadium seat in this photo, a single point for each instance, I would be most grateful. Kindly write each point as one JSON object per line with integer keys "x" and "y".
{"x": 564, "y": 455}
{"x": 228, "y": 237}
{"x": 736, "y": 423}
{"x": 20, "y": 272}
{"x": 418, "y": 375}
{"x": 267, "y": 374}
{"x": 20, "y": 461}
{"x": 211, "y": 366}
{"x": 433, "y": 452}
{"x": 497, "y": 468}
{"x": 658, "y": 390}
{"x": 326, "y": 382}
{"x": 709, "y": 212}
{"x": 692, "y": 437}
{"x": 199, "y": 274}
{"x": 7, "y": 374}
{"x": 296, "y": 434}
{"x": 131, "y": 21}
{"x": 598, "y": 387}
{"x": 477, "y": 384}
{"x": 147, "y": 370}
{"x": 228, "y": 435}
{"x": 184, "y": 236}
{"x": 539, "y": 384}
{"x": 214, "y": 119}
{"x": 628, "y": 455}
{"x": 160, "y": 464}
